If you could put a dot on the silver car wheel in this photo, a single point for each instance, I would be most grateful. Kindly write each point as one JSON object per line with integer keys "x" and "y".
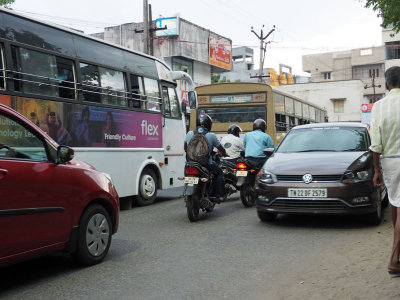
{"x": 148, "y": 186}
{"x": 97, "y": 234}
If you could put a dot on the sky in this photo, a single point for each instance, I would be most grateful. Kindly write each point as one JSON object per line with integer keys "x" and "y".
{"x": 301, "y": 27}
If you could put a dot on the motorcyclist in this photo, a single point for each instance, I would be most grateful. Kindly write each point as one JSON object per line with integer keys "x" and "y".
{"x": 255, "y": 142}
{"x": 232, "y": 142}
{"x": 204, "y": 124}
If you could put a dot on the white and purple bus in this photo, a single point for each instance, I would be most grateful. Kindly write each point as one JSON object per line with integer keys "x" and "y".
{"x": 119, "y": 109}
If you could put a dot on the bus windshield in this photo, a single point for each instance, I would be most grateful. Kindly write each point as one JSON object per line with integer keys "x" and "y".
{"x": 236, "y": 114}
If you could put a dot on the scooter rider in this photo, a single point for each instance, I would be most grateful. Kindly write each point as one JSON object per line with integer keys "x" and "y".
{"x": 255, "y": 142}
{"x": 232, "y": 142}
{"x": 204, "y": 124}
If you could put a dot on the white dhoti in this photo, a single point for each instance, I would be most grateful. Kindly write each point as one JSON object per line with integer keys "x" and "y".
{"x": 391, "y": 176}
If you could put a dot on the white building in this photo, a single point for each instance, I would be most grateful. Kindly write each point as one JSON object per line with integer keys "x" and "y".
{"x": 341, "y": 99}
{"x": 391, "y": 42}
{"x": 366, "y": 64}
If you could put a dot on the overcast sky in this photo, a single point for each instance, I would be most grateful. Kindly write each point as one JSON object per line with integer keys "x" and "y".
{"x": 302, "y": 27}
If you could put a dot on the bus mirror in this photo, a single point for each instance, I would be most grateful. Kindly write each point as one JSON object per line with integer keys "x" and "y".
{"x": 184, "y": 106}
{"x": 192, "y": 99}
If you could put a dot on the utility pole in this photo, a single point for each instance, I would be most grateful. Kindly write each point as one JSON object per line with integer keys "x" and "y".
{"x": 151, "y": 49}
{"x": 146, "y": 27}
{"x": 261, "y": 37}
{"x": 373, "y": 85}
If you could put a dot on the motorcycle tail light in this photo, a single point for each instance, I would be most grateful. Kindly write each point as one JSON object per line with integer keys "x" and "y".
{"x": 191, "y": 171}
{"x": 241, "y": 166}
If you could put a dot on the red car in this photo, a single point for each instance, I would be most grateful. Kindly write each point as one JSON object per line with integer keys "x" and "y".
{"x": 48, "y": 200}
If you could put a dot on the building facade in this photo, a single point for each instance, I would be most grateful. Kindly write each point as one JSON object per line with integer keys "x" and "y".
{"x": 365, "y": 64}
{"x": 342, "y": 99}
{"x": 181, "y": 44}
{"x": 391, "y": 42}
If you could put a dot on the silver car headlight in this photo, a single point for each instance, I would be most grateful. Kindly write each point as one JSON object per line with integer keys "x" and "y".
{"x": 356, "y": 176}
{"x": 267, "y": 177}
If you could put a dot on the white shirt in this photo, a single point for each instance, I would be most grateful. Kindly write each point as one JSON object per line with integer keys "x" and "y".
{"x": 233, "y": 145}
{"x": 385, "y": 124}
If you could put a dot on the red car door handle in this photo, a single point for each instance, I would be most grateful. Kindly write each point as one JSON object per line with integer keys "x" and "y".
{"x": 3, "y": 172}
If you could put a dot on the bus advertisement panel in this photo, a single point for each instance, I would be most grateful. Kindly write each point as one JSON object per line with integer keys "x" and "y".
{"x": 90, "y": 126}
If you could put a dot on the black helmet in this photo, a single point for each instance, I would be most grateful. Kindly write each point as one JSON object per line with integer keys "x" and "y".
{"x": 234, "y": 129}
{"x": 259, "y": 124}
{"x": 204, "y": 120}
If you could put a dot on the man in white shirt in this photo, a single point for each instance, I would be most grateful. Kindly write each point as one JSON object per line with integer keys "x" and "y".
{"x": 385, "y": 141}
{"x": 232, "y": 143}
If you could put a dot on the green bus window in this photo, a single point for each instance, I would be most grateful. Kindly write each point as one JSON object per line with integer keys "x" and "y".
{"x": 280, "y": 123}
{"x": 239, "y": 114}
{"x": 112, "y": 87}
{"x": 90, "y": 82}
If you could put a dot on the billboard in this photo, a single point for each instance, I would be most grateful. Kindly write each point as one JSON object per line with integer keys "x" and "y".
{"x": 220, "y": 53}
{"x": 171, "y": 26}
{"x": 90, "y": 126}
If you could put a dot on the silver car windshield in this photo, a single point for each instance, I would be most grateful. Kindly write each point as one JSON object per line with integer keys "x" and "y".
{"x": 325, "y": 139}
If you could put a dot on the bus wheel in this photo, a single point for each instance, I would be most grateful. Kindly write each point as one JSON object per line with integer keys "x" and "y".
{"x": 147, "y": 188}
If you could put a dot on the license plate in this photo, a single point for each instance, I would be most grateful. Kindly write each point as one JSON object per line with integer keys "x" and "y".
{"x": 241, "y": 173}
{"x": 191, "y": 180}
{"x": 308, "y": 193}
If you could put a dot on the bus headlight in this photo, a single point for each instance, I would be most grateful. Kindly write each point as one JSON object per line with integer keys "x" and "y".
{"x": 267, "y": 177}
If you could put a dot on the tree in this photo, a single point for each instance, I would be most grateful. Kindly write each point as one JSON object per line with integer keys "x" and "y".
{"x": 215, "y": 78}
{"x": 389, "y": 10}
{"x": 6, "y": 3}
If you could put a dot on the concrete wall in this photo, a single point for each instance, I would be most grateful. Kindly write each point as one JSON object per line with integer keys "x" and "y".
{"x": 322, "y": 94}
{"x": 191, "y": 44}
{"x": 388, "y": 35}
{"x": 202, "y": 73}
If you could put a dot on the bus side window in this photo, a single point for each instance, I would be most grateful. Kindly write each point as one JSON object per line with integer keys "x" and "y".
{"x": 167, "y": 110}
{"x": 174, "y": 103}
{"x": 66, "y": 78}
{"x": 90, "y": 82}
{"x": 152, "y": 94}
{"x": 36, "y": 72}
{"x": 112, "y": 87}
{"x": 280, "y": 122}
{"x": 2, "y": 69}
{"x": 137, "y": 93}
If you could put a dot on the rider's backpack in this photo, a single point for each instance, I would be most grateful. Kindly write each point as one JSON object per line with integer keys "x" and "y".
{"x": 197, "y": 149}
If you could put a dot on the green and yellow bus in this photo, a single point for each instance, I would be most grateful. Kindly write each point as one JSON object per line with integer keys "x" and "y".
{"x": 241, "y": 103}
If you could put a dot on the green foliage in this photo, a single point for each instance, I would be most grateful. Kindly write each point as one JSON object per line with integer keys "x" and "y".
{"x": 237, "y": 80}
{"x": 215, "y": 78}
{"x": 6, "y": 3}
{"x": 389, "y": 10}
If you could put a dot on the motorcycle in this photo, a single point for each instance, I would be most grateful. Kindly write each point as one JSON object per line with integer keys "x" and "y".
{"x": 246, "y": 173}
{"x": 198, "y": 188}
{"x": 228, "y": 168}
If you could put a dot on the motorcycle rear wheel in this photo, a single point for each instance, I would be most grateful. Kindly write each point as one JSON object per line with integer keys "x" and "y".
{"x": 193, "y": 207}
{"x": 247, "y": 195}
